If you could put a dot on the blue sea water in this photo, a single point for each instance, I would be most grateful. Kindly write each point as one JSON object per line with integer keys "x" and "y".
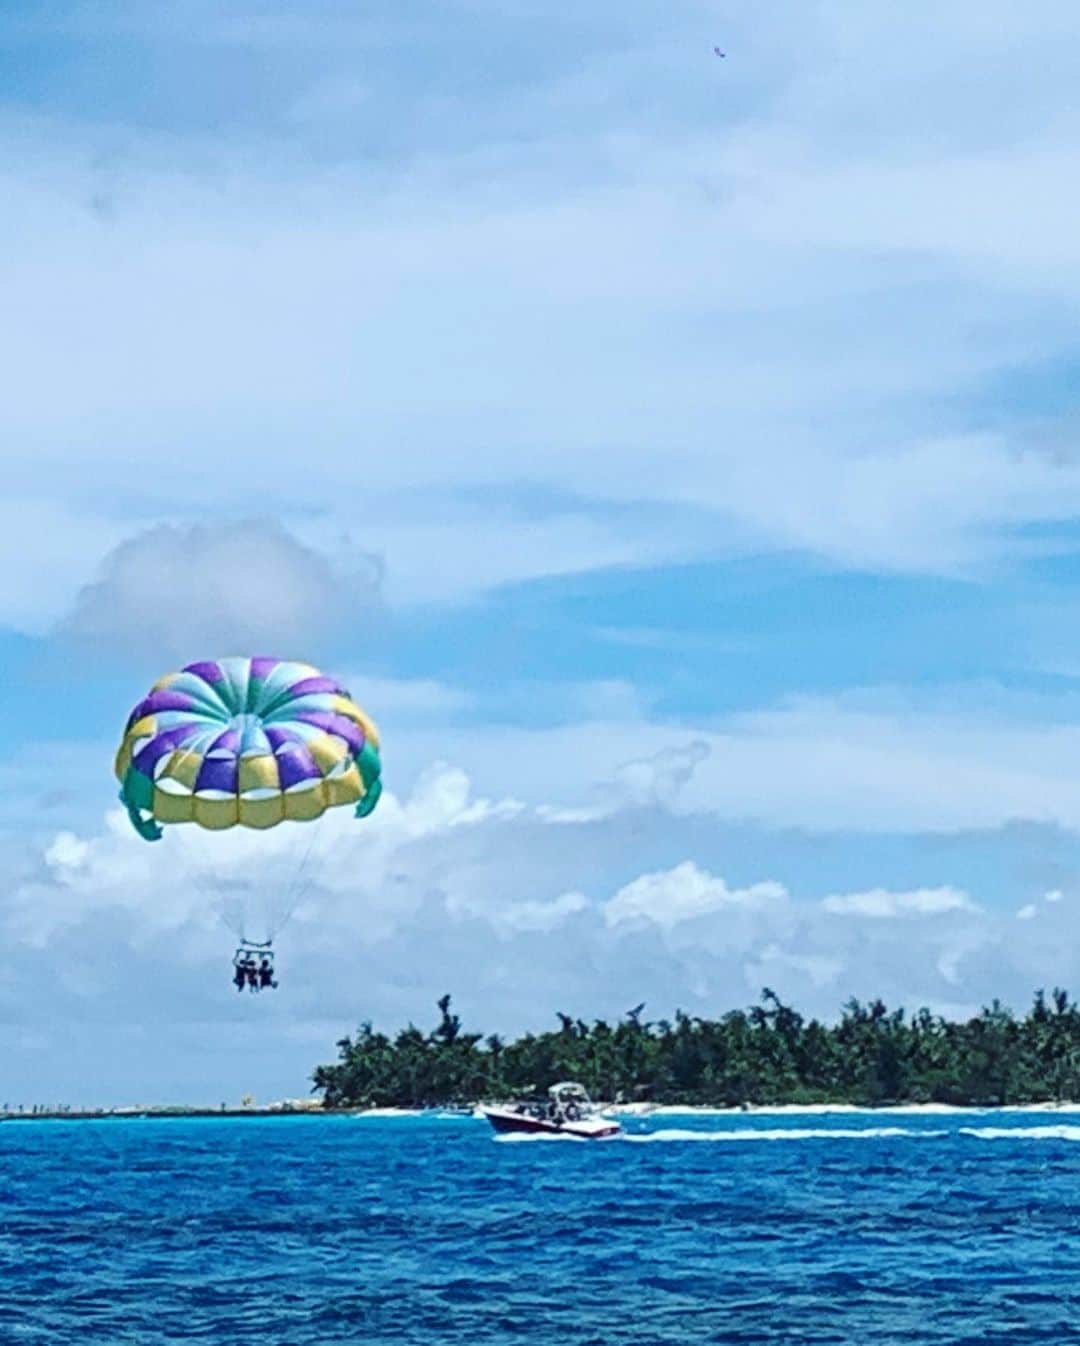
{"x": 842, "y": 1228}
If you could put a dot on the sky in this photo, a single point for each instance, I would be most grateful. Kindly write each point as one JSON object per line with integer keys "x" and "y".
{"x": 675, "y": 454}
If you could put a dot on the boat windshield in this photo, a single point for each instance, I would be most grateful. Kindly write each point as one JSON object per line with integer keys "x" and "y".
{"x": 564, "y": 1094}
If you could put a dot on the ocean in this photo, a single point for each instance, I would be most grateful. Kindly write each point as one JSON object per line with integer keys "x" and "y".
{"x": 848, "y": 1227}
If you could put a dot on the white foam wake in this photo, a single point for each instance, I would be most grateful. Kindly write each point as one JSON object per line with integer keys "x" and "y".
{"x": 785, "y": 1133}
{"x": 532, "y": 1137}
{"x": 670, "y": 1136}
{"x": 1063, "y": 1132}
{"x": 745, "y": 1135}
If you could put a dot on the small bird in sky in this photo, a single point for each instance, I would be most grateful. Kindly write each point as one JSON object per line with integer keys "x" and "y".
{"x": 719, "y": 52}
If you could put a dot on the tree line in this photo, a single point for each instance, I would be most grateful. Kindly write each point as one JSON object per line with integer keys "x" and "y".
{"x": 768, "y": 1054}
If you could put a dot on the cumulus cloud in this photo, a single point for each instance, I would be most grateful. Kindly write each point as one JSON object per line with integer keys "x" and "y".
{"x": 881, "y": 905}
{"x": 668, "y": 898}
{"x": 517, "y": 909}
{"x": 181, "y": 593}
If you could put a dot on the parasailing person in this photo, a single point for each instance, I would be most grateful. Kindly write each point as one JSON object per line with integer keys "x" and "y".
{"x": 247, "y": 743}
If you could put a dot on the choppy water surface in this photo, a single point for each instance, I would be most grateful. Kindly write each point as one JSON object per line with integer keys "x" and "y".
{"x": 848, "y": 1228}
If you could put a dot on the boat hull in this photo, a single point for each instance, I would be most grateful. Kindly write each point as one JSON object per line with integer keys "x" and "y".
{"x": 508, "y": 1123}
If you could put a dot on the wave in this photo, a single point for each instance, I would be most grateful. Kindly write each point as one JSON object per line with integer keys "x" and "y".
{"x": 1065, "y": 1132}
{"x": 388, "y": 1112}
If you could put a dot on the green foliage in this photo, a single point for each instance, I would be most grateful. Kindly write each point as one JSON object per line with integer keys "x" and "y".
{"x": 767, "y": 1054}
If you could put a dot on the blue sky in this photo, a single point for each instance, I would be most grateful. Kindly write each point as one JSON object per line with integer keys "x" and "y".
{"x": 676, "y": 455}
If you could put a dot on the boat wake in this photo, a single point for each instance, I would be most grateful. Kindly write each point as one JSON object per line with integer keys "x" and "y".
{"x": 674, "y": 1136}
{"x": 1063, "y": 1132}
{"x": 550, "y": 1137}
{"x": 787, "y": 1133}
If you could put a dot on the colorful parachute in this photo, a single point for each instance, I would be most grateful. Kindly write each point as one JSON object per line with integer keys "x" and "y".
{"x": 245, "y": 742}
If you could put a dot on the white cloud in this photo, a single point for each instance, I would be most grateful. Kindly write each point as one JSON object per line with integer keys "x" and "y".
{"x": 545, "y": 916}
{"x": 67, "y": 853}
{"x": 825, "y": 766}
{"x": 889, "y": 762}
{"x": 820, "y": 969}
{"x": 357, "y": 329}
{"x": 661, "y": 777}
{"x": 724, "y": 303}
{"x": 668, "y": 898}
{"x": 480, "y": 545}
{"x": 500, "y": 902}
{"x": 881, "y": 904}
{"x": 184, "y": 593}
{"x": 1026, "y": 913}
{"x": 948, "y": 964}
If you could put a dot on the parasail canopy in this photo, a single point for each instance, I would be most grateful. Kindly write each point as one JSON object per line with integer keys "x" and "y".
{"x": 247, "y": 742}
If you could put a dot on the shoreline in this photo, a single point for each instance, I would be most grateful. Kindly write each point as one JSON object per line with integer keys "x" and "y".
{"x": 824, "y": 1109}
{"x": 475, "y": 1111}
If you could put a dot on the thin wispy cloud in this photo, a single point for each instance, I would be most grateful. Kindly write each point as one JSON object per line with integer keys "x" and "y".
{"x": 527, "y": 309}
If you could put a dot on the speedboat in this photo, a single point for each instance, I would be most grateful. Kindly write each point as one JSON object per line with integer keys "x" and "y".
{"x": 567, "y": 1111}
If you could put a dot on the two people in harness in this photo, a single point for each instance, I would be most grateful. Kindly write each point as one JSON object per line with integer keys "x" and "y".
{"x": 253, "y": 968}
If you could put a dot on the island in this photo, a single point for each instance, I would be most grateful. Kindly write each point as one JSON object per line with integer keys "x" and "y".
{"x": 766, "y": 1055}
